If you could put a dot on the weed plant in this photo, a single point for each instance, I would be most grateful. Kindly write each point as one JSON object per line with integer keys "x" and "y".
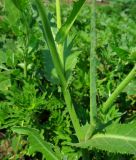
{"x": 70, "y": 77}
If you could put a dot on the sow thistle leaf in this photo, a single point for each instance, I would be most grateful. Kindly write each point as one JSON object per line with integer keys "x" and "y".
{"x": 70, "y": 64}
{"x": 50, "y": 71}
{"x": 62, "y": 33}
{"x": 117, "y": 138}
{"x": 70, "y": 58}
{"x": 37, "y": 143}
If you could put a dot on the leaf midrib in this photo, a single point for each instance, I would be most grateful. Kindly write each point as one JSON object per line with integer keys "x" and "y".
{"x": 114, "y": 136}
{"x": 45, "y": 147}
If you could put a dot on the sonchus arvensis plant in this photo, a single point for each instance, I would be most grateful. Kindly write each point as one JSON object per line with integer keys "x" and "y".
{"x": 108, "y": 136}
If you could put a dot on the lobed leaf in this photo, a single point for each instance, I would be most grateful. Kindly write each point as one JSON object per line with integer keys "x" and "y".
{"x": 50, "y": 71}
{"x": 70, "y": 64}
{"x": 70, "y": 58}
{"x": 117, "y": 138}
{"x": 37, "y": 143}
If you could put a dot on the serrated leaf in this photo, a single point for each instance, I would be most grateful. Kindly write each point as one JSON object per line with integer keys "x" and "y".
{"x": 62, "y": 33}
{"x": 70, "y": 64}
{"x": 117, "y": 138}
{"x": 70, "y": 58}
{"x": 84, "y": 131}
{"x": 37, "y": 143}
{"x": 50, "y": 71}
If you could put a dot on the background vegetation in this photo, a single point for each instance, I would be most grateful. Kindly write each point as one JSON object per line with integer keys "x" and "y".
{"x": 30, "y": 96}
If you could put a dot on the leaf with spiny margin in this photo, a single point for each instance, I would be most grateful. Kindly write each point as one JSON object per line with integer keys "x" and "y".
{"x": 70, "y": 58}
{"x": 37, "y": 143}
{"x": 50, "y": 71}
{"x": 117, "y": 138}
{"x": 62, "y": 33}
{"x": 70, "y": 64}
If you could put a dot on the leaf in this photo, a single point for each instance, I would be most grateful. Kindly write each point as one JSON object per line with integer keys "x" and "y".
{"x": 62, "y": 33}
{"x": 70, "y": 58}
{"x": 117, "y": 138}
{"x": 5, "y": 81}
{"x": 131, "y": 88}
{"x": 12, "y": 13}
{"x": 133, "y": 54}
{"x": 84, "y": 131}
{"x": 2, "y": 57}
{"x": 50, "y": 71}
{"x": 70, "y": 64}
{"x": 20, "y": 4}
{"x": 37, "y": 143}
{"x": 123, "y": 54}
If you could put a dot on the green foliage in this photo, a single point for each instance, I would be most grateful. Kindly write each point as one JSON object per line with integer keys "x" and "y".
{"x": 5, "y": 82}
{"x": 21, "y": 4}
{"x": 20, "y": 106}
{"x": 45, "y": 84}
{"x": 62, "y": 34}
{"x": 130, "y": 90}
{"x": 12, "y": 17}
{"x": 37, "y": 143}
{"x": 117, "y": 138}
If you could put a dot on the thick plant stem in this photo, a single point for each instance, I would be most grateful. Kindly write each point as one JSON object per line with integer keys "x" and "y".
{"x": 93, "y": 111}
{"x": 119, "y": 89}
{"x": 60, "y": 47}
{"x": 72, "y": 112}
{"x": 55, "y": 57}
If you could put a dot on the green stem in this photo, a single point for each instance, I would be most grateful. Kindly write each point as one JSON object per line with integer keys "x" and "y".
{"x": 25, "y": 55}
{"x": 55, "y": 57}
{"x": 119, "y": 89}
{"x": 26, "y": 42}
{"x": 93, "y": 111}
{"x": 58, "y": 15}
{"x": 72, "y": 112}
{"x": 25, "y": 68}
